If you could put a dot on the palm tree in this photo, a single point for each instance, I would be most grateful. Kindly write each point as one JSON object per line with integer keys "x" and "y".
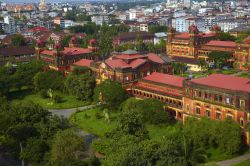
{"x": 192, "y": 155}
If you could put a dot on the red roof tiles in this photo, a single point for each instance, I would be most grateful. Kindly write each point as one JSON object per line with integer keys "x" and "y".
{"x": 218, "y": 43}
{"x": 155, "y": 58}
{"x": 186, "y": 35}
{"x": 225, "y": 82}
{"x": 83, "y": 62}
{"x": 70, "y": 51}
{"x": 127, "y": 57}
{"x": 165, "y": 79}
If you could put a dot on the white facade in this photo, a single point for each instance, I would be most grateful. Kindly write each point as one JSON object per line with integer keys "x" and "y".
{"x": 10, "y": 27}
{"x": 100, "y": 19}
{"x": 159, "y": 36}
{"x": 229, "y": 24}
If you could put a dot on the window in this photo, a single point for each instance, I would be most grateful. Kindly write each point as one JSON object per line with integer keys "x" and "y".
{"x": 242, "y": 103}
{"x": 241, "y": 122}
{"x": 229, "y": 116}
{"x": 198, "y": 110}
{"x": 228, "y": 100}
{"x": 220, "y": 98}
{"x": 199, "y": 94}
{"x": 218, "y": 115}
{"x": 208, "y": 113}
{"x": 188, "y": 108}
{"x": 205, "y": 95}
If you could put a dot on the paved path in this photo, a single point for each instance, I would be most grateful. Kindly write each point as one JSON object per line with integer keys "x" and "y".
{"x": 66, "y": 113}
{"x": 234, "y": 161}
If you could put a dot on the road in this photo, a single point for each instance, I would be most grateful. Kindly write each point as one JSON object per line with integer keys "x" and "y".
{"x": 234, "y": 161}
{"x": 66, "y": 113}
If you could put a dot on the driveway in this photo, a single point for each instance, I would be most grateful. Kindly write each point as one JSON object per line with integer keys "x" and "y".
{"x": 66, "y": 113}
{"x": 234, "y": 161}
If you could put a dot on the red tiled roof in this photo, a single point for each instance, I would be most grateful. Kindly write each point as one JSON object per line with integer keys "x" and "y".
{"x": 165, "y": 79}
{"x": 225, "y": 82}
{"x": 186, "y": 35}
{"x": 155, "y": 58}
{"x": 76, "y": 51}
{"x": 118, "y": 63}
{"x": 35, "y": 29}
{"x": 83, "y": 62}
{"x": 218, "y": 43}
{"x": 47, "y": 52}
{"x": 126, "y": 56}
{"x": 69, "y": 51}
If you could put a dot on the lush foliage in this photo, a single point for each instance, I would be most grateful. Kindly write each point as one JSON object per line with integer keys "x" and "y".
{"x": 18, "y": 40}
{"x": 219, "y": 58}
{"x": 110, "y": 93}
{"x": 80, "y": 85}
{"x": 27, "y": 125}
{"x": 151, "y": 110}
{"x": 48, "y": 80}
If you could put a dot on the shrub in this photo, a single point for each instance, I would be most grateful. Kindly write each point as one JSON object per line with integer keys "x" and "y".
{"x": 98, "y": 115}
{"x": 57, "y": 98}
{"x": 43, "y": 93}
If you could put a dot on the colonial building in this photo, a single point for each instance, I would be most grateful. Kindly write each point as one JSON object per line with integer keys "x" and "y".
{"x": 164, "y": 87}
{"x": 16, "y": 54}
{"x": 128, "y": 66}
{"x": 242, "y": 54}
{"x": 187, "y": 44}
{"x": 60, "y": 58}
{"x": 131, "y": 37}
{"x": 216, "y": 97}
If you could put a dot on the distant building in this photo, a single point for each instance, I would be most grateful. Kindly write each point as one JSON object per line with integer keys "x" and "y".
{"x": 10, "y": 25}
{"x": 228, "y": 24}
{"x": 160, "y": 36}
{"x": 42, "y": 5}
{"x": 132, "y": 37}
{"x": 100, "y": 19}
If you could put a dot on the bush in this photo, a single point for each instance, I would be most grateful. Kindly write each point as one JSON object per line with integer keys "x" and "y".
{"x": 57, "y": 98}
{"x": 86, "y": 116}
{"x": 98, "y": 115}
{"x": 43, "y": 93}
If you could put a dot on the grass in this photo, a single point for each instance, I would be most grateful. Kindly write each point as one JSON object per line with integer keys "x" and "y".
{"x": 27, "y": 95}
{"x": 92, "y": 121}
{"x": 244, "y": 163}
{"x": 89, "y": 121}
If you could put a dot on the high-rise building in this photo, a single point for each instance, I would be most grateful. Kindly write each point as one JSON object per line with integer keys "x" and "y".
{"x": 187, "y": 3}
{"x": 10, "y": 25}
{"x": 42, "y": 5}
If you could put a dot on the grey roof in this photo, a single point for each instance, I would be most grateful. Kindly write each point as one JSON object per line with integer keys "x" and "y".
{"x": 161, "y": 34}
{"x": 130, "y": 52}
{"x": 240, "y": 29}
{"x": 166, "y": 59}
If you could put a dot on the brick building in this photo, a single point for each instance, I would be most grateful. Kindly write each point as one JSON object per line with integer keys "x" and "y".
{"x": 216, "y": 97}
{"x": 128, "y": 66}
{"x": 61, "y": 58}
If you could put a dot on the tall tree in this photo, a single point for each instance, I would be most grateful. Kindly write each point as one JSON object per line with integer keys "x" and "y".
{"x": 110, "y": 93}
{"x": 18, "y": 40}
{"x": 67, "y": 147}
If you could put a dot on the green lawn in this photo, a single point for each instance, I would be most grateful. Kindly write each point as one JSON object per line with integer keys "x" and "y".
{"x": 89, "y": 121}
{"x": 93, "y": 121}
{"x": 244, "y": 163}
{"x": 27, "y": 95}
